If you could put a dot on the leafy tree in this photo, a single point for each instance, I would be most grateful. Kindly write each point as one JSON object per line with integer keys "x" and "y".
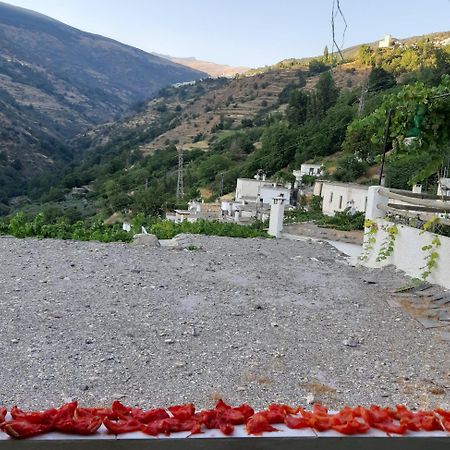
{"x": 296, "y": 112}
{"x": 425, "y": 109}
{"x": 327, "y": 92}
{"x": 380, "y": 79}
{"x": 316, "y": 66}
{"x": 326, "y": 56}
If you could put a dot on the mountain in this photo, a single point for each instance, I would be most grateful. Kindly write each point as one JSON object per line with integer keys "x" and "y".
{"x": 57, "y": 81}
{"x": 211, "y": 68}
{"x": 273, "y": 120}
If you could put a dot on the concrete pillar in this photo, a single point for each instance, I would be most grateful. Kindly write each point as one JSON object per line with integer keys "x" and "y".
{"x": 237, "y": 216}
{"x": 276, "y": 216}
{"x": 373, "y": 200}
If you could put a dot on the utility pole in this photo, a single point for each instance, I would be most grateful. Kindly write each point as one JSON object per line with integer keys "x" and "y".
{"x": 362, "y": 99}
{"x": 180, "y": 182}
{"x": 221, "y": 184}
{"x": 386, "y": 138}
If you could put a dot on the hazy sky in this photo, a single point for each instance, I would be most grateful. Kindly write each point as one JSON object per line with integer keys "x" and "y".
{"x": 244, "y": 32}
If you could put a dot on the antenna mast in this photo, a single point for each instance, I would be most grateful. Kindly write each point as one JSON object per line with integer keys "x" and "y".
{"x": 180, "y": 182}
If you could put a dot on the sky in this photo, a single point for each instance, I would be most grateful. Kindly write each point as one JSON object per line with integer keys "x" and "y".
{"x": 250, "y": 33}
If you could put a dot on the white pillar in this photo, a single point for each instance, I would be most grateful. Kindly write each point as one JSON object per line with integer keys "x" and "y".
{"x": 373, "y": 200}
{"x": 276, "y": 216}
{"x": 236, "y": 216}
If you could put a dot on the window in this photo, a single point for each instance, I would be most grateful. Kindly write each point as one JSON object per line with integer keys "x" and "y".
{"x": 340, "y": 202}
{"x": 365, "y": 204}
{"x": 311, "y": 170}
{"x": 331, "y": 197}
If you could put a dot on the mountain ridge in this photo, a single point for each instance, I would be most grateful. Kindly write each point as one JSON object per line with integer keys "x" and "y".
{"x": 57, "y": 81}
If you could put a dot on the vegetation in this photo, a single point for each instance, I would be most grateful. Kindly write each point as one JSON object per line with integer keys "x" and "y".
{"x": 317, "y": 123}
{"x": 41, "y": 226}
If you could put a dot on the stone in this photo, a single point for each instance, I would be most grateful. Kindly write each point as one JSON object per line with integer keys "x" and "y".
{"x": 147, "y": 240}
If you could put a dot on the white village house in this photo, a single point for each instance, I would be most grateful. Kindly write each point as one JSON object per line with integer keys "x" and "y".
{"x": 339, "y": 196}
{"x": 314, "y": 170}
{"x": 250, "y": 190}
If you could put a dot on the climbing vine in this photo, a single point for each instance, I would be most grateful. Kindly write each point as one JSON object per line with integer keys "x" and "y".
{"x": 387, "y": 246}
{"x": 432, "y": 254}
{"x": 369, "y": 239}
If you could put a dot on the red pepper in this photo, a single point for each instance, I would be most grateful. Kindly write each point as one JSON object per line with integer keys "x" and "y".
{"x": 183, "y": 412}
{"x": 296, "y": 423}
{"x": 258, "y": 423}
{"x": 150, "y": 415}
{"x": 21, "y": 429}
{"x": 122, "y": 425}
{"x": 95, "y": 412}
{"x": 79, "y": 426}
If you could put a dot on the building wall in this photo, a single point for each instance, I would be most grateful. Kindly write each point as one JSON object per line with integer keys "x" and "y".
{"x": 268, "y": 193}
{"x": 308, "y": 169}
{"x": 408, "y": 254}
{"x": 338, "y": 196}
{"x": 246, "y": 187}
{"x": 249, "y": 189}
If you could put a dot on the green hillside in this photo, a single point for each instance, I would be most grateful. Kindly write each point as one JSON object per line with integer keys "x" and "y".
{"x": 274, "y": 120}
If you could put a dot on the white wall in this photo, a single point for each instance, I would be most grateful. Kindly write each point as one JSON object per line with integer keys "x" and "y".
{"x": 246, "y": 187}
{"x": 408, "y": 254}
{"x": 269, "y": 192}
{"x": 337, "y": 197}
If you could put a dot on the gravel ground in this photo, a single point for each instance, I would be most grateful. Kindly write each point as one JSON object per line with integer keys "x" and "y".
{"x": 244, "y": 319}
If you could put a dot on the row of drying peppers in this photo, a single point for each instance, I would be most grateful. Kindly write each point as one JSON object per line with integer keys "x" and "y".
{"x": 120, "y": 419}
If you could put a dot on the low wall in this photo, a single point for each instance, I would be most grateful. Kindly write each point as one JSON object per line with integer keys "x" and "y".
{"x": 408, "y": 254}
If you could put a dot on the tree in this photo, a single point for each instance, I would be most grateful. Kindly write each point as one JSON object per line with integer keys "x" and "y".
{"x": 296, "y": 112}
{"x": 380, "y": 79}
{"x": 326, "y": 56}
{"x": 327, "y": 92}
{"x": 424, "y": 108}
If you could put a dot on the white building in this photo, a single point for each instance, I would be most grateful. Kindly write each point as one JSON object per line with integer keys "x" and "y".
{"x": 314, "y": 170}
{"x": 249, "y": 190}
{"x": 443, "y": 186}
{"x": 387, "y": 41}
{"x": 339, "y": 196}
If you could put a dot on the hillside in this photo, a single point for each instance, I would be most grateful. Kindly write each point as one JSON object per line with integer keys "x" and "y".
{"x": 274, "y": 120}
{"x": 57, "y": 81}
{"x": 211, "y": 68}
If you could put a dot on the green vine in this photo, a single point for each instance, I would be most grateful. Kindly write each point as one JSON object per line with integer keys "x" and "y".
{"x": 432, "y": 256}
{"x": 387, "y": 246}
{"x": 369, "y": 239}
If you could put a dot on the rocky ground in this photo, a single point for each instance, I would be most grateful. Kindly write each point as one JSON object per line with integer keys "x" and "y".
{"x": 244, "y": 319}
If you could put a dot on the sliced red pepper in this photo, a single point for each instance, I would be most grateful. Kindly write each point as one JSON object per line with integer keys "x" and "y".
{"x": 34, "y": 417}
{"x": 79, "y": 426}
{"x": 95, "y": 412}
{"x": 150, "y": 415}
{"x": 296, "y": 423}
{"x": 122, "y": 425}
{"x": 183, "y": 412}
{"x": 121, "y": 411}
{"x": 21, "y": 429}
{"x": 258, "y": 423}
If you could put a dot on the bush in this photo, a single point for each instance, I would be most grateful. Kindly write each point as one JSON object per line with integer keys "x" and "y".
{"x": 343, "y": 220}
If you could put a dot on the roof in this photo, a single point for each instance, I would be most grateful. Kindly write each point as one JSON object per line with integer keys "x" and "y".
{"x": 341, "y": 184}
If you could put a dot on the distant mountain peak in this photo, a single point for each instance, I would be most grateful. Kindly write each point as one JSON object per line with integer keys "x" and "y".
{"x": 211, "y": 68}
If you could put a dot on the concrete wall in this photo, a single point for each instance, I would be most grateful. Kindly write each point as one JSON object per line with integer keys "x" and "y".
{"x": 338, "y": 196}
{"x": 268, "y": 193}
{"x": 248, "y": 189}
{"x": 408, "y": 254}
